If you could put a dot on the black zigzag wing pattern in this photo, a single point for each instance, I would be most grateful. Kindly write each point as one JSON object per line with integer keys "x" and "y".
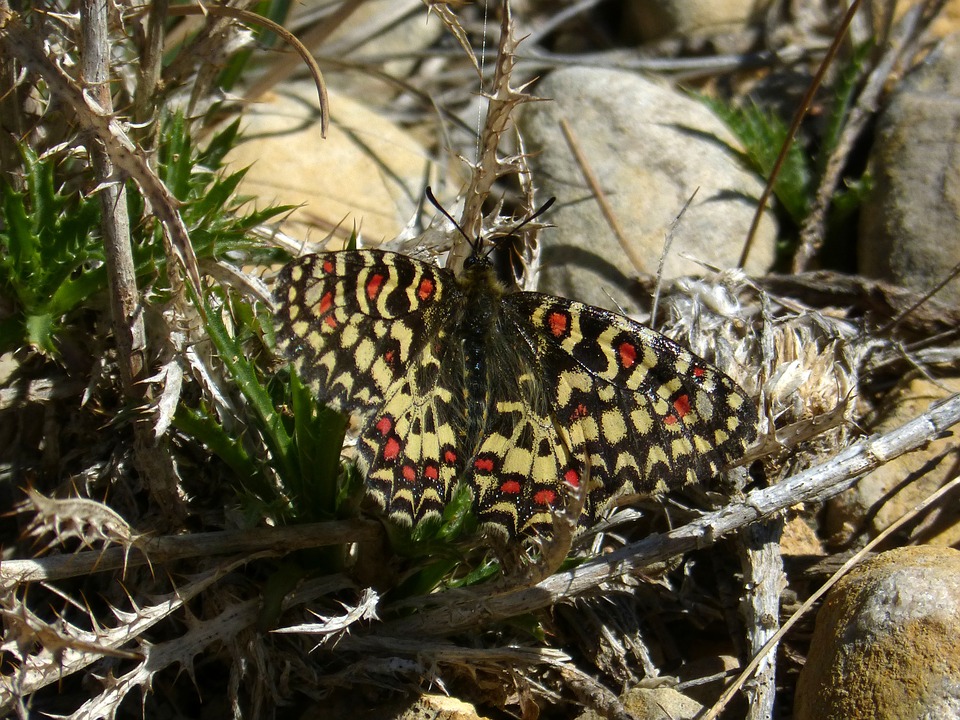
{"x": 522, "y": 396}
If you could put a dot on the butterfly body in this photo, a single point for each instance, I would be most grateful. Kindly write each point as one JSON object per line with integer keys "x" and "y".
{"x": 523, "y": 396}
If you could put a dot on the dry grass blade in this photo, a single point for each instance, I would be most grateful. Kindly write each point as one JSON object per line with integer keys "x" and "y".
{"x": 450, "y": 20}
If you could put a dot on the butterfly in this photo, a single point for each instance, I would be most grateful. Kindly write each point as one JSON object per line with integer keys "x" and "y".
{"x": 525, "y": 397}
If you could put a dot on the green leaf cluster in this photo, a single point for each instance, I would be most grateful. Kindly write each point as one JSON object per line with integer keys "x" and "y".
{"x": 51, "y": 259}
{"x": 51, "y": 252}
{"x": 762, "y": 133}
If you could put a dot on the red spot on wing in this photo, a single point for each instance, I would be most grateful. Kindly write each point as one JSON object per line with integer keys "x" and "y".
{"x": 544, "y": 497}
{"x": 390, "y": 356}
{"x": 426, "y": 288}
{"x": 670, "y": 420}
{"x": 558, "y": 323}
{"x": 511, "y": 487}
{"x": 483, "y": 464}
{"x": 326, "y": 302}
{"x": 384, "y": 425}
{"x": 374, "y": 285}
{"x": 331, "y": 321}
{"x": 391, "y": 449}
{"x": 572, "y": 477}
{"x": 328, "y": 266}
{"x": 449, "y": 456}
{"x": 579, "y": 412}
{"x": 628, "y": 355}
{"x": 409, "y": 473}
{"x": 682, "y": 405}
{"x": 431, "y": 472}
{"x": 699, "y": 372}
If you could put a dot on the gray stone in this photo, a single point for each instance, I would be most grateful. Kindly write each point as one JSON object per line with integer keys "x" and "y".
{"x": 651, "y": 147}
{"x": 659, "y": 18}
{"x": 910, "y": 226}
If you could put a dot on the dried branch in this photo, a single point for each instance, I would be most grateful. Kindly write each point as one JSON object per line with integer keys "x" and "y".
{"x": 161, "y": 551}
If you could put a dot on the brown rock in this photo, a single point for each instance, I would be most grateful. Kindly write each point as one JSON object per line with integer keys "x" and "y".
{"x": 367, "y": 172}
{"x": 890, "y": 491}
{"x": 887, "y": 642}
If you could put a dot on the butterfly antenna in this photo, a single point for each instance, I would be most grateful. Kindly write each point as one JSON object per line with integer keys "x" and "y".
{"x": 436, "y": 203}
{"x": 543, "y": 208}
{"x": 540, "y": 211}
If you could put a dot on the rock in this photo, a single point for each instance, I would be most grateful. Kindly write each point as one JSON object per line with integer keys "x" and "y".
{"x": 946, "y": 21}
{"x": 660, "y": 18}
{"x": 367, "y": 173}
{"x": 800, "y": 539}
{"x": 910, "y": 223}
{"x": 887, "y": 641}
{"x": 651, "y": 148}
{"x": 882, "y": 496}
{"x": 429, "y": 706}
{"x": 662, "y": 703}
{"x": 375, "y": 29}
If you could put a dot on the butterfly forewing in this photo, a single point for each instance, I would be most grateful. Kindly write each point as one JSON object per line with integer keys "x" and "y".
{"x": 352, "y": 322}
{"x": 521, "y": 396}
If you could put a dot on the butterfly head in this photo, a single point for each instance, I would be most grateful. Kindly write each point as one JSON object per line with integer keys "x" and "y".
{"x": 480, "y": 250}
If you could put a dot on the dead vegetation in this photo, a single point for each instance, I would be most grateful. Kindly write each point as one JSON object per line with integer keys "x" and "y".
{"x": 142, "y": 573}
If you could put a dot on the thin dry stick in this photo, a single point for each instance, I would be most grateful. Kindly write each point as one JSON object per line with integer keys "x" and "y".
{"x": 844, "y": 569}
{"x": 153, "y": 462}
{"x": 128, "y": 326}
{"x": 929, "y": 294}
{"x": 151, "y": 63}
{"x": 667, "y": 242}
{"x": 795, "y": 127}
{"x": 594, "y": 184}
{"x": 168, "y": 549}
{"x": 285, "y": 35}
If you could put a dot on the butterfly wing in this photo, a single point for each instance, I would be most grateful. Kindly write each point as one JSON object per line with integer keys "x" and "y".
{"x": 524, "y": 459}
{"x": 649, "y": 415}
{"x": 352, "y": 322}
{"x": 413, "y": 448}
{"x": 367, "y": 331}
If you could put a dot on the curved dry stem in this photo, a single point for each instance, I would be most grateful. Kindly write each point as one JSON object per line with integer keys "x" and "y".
{"x": 284, "y": 34}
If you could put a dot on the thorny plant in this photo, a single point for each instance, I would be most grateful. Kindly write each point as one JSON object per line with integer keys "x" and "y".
{"x": 194, "y": 499}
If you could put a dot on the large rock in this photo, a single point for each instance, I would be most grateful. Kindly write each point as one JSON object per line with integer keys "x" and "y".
{"x": 367, "y": 173}
{"x": 910, "y": 224}
{"x": 651, "y": 147}
{"x": 689, "y": 18}
{"x": 887, "y": 642}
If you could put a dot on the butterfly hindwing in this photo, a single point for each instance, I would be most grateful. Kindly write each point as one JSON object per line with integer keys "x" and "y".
{"x": 413, "y": 447}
